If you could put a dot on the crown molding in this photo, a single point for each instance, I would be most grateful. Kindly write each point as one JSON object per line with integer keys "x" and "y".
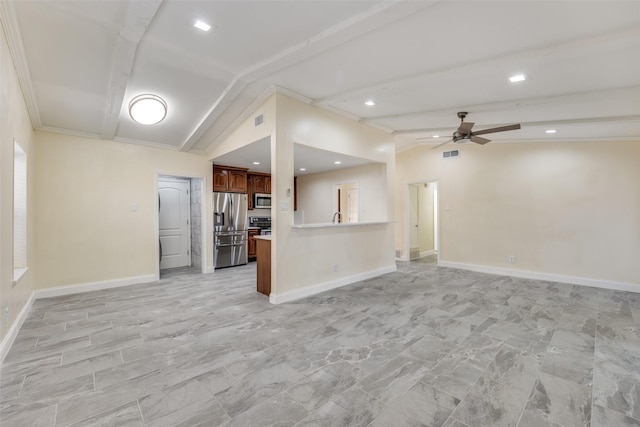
{"x": 13, "y": 35}
{"x": 62, "y": 131}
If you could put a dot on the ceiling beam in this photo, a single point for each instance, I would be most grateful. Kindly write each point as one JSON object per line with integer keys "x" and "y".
{"x": 576, "y": 97}
{"x": 137, "y": 18}
{"x": 376, "y": 17}
{"x": 587, "y": 120}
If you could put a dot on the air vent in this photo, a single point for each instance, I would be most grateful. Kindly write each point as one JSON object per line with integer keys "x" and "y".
{"x": 450, "y": 154}
{"x": 259, "y": 119}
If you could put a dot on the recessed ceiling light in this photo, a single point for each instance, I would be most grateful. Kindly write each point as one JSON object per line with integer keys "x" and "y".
{"x": 370, "y": 103}
{"x": 148, "y": 109}
{"x": 517, "y": 78}
{"x": 550, "y": 131}
{"x": 256, "y": 163}
{"x": 436, "y": 136}
{"x": 201, "y": 25}
{"x": 303, "y": 169}
{"x": 337, "y": 162}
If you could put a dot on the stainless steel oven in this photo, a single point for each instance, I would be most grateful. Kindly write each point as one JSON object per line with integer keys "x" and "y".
{"x": 263, "y": 222}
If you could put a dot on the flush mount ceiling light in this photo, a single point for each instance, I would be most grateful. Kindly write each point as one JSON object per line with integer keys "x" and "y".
{"x": 256, "y": 163}
{"x": 148, "y": 109}
{"x": 303, "y": 169}
{"x": 337, "y": 162}
{"x": 369, "y": 103}
{"x": 201, "y": 25}
{"x": 436, "y": 136}
{"x": 550, "y": 131}
{"x": 517, "y": 78}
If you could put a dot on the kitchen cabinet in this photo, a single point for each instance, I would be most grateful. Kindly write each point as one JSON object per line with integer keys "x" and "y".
{"x": 229, "y": 179}
{"x": 263, "y": 279}
{"x": 257, "y": 183}
{"x": 251, "y": 243}
{"x": 261, "y": 183}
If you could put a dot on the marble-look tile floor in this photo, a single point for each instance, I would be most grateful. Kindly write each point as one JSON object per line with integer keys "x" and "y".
{"x": 425, "y": 346}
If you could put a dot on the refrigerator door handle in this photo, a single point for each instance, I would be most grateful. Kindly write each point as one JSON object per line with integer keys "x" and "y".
{"x": 225, "y": 245}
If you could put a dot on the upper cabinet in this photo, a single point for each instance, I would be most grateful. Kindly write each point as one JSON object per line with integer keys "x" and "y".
{"x": 229, "y": 179}
{"x": 261, "y": 183}
{"x": 257, "y": 183}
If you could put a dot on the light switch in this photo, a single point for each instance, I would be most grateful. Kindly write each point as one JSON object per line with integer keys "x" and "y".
{"x": 284, "y": 206}
{"x": 134, "y": 207}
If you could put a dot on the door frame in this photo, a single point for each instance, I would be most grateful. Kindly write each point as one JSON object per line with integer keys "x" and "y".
{"x": 203, "y": 214}
{"x": 436, "y": 219}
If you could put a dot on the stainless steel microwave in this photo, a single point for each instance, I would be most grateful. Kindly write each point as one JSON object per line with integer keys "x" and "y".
{"x": 261, "y": 201}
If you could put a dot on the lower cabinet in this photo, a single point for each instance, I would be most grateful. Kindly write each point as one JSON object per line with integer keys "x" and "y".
{"x": 251, "y": 243}
{"x": 263, "y": 279}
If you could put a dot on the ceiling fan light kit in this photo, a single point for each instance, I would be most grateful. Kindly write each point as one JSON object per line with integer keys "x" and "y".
{"x": 463, "y": 133}
{"x": 148, "y": 109}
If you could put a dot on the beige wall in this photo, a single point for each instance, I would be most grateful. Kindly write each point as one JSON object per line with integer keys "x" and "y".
{"x": 307, "y": 257}
{"x": 567, "y": 209}
{"x": 316, "y": 193}
{"x": 248, "y": 132}
{"x": 87, "y": 231}
{"x": 14, "y": 123}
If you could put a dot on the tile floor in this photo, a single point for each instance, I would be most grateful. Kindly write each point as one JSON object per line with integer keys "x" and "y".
{"x": 422, "y": 346}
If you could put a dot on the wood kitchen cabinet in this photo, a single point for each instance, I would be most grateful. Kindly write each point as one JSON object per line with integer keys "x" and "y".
{"x": 257, "y": 183}
{"x": 251, "y": 244}
{"x": 261, "y": 183}
{"x": 229, "y": 179}
{"x": 263, "y": 279}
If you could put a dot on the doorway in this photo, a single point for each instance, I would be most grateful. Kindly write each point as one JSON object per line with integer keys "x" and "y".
{"x": 180, "y": 239}
{"x": 421, "y": 234}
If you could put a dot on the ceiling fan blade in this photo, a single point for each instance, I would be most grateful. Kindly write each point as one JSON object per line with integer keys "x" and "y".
{"x": 465, "y": 127}
{"x": 479, "y": 140}
{"x": 442, "y": 143}
{"x": 498, "y": 129}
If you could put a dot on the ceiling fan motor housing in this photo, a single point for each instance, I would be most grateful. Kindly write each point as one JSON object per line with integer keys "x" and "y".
{"x": 460, "y": 137}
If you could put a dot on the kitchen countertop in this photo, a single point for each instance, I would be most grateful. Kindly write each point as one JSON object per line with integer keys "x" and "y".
{"x": 349, "y": 224}
{"x": 263, "y": 237}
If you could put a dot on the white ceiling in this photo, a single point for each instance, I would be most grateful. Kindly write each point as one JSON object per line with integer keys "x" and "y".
{"x": 81, "y": 62}
{"x": 306, "y": 160}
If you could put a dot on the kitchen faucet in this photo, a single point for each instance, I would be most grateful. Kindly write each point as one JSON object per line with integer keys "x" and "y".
{"x": 339, "y": 217}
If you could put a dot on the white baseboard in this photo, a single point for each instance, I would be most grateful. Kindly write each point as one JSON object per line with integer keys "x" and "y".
{"x": 322, "y": 287}
{"x": 12, "y": 333}
{"x": 93, "y": 286}
{"x": 427, "y": 253}
{"x": 535, "y": 275}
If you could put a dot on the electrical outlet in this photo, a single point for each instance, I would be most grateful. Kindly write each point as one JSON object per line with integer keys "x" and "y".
{"x": 511, "y": 259}
{"x": 6, "y": 314}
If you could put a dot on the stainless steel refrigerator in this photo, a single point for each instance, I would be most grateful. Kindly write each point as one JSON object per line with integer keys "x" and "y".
{"x": 229, "y": 229}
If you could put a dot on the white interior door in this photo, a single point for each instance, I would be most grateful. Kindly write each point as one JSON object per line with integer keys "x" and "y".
{"x": 175, "y": 230}
{"x": 413, "y": 216}
{"x": 353, "y": 198}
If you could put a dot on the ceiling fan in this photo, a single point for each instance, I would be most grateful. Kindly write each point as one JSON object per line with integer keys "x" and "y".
{"x": 464, "y": 134}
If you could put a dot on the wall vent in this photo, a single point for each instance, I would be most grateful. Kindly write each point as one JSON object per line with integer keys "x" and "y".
{"x": 450, "y": 154}
{"x": 259, "y": 119}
